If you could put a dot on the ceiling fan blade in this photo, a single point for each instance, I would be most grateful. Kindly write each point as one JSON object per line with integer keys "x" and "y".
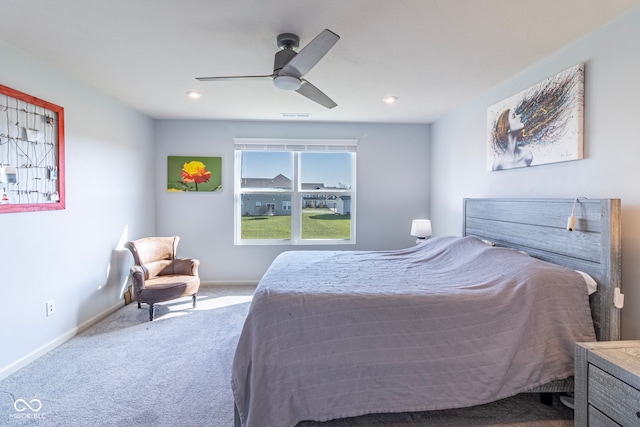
{"x": 212, "y": 79}
{"x": 311, "y": 54}
{"x": 314, "y": 94}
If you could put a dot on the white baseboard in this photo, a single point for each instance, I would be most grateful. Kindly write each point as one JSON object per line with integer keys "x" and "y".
{"x": 39, "y": 352}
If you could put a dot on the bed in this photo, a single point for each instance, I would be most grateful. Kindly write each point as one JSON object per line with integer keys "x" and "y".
{"x": 453, "y": 322}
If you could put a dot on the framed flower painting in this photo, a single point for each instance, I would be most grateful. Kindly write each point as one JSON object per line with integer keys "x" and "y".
{"x": 194, "y": 173}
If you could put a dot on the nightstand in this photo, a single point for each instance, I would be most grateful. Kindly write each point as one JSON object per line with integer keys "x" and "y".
{"x": 607, "y": 383}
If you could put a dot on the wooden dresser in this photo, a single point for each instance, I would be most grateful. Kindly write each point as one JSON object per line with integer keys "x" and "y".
{"x": 607, "y": 383}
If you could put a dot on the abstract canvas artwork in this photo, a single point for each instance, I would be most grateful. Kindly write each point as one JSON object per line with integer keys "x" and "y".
{"x": 194, "y": 173}
{"x": 540, "y": 125}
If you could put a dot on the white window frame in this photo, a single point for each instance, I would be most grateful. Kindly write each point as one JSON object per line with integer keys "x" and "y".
{"x": 296, "y": 146}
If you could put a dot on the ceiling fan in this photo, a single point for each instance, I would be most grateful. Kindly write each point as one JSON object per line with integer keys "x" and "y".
{"x": 289, "y": 66}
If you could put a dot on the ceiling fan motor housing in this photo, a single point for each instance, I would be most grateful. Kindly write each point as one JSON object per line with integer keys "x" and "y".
{"x": 282, "y": 58}
{"x": 287, "y": 42}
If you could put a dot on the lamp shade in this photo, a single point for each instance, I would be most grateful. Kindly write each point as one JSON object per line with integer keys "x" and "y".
{"x": 421, "y": 228}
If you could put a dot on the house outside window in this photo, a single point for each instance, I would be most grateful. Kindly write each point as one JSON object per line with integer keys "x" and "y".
{"x": 303, "y": 191}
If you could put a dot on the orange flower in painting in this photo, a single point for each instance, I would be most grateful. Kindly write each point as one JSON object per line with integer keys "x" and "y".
{"x": 195, "y": 171}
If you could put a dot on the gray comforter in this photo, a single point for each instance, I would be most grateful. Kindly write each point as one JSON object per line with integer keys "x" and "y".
{"x": 448, "y": 323}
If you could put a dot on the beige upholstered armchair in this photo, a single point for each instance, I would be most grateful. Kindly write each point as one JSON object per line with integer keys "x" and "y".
{"x": 158, "y": 275}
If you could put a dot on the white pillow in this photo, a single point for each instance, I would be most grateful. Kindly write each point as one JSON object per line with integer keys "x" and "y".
{"x": 592, "y": 286}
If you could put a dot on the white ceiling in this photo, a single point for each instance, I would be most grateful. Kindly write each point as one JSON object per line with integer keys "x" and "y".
{"x": 434, "y": 55}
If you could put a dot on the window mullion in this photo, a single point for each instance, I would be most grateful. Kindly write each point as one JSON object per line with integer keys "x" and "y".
{"x": 296, "y": 201}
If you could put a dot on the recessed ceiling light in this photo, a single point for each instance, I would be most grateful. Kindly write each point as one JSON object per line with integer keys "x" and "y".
{"x": 193, "y": 94}
{"x": 390, "y": 99}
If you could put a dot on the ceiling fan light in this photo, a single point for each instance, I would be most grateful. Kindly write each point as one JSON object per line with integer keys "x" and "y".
{"x": 287, "y": 82}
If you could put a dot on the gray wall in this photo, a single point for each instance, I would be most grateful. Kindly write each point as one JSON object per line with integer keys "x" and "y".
{"x": 612, "y": 147}
{"x": 72, "y": 255}
{"x": 392, "y": 189}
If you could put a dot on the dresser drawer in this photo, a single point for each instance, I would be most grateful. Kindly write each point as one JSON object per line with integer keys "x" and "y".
{"x": 616, "y": 399}
{"x": 598, "y": 419}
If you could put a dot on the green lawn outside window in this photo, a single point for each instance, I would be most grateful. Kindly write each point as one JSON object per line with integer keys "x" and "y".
{"x": 316, "y": 224}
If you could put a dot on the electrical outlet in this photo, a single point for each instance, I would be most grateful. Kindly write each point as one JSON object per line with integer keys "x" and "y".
{"x": 51, "y": 307}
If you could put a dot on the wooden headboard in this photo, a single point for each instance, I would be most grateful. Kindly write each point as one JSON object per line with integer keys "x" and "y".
{"x": 539, "y": 227}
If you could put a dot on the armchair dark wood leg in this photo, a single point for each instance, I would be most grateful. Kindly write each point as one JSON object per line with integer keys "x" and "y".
{"x": 194, "y": 300}
{"x": 139, "y": 304}
{"x": 152, "y": 310}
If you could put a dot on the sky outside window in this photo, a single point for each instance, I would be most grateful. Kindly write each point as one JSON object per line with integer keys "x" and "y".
{"x": 267, "y": 164}
{"x": 330, "y": 169}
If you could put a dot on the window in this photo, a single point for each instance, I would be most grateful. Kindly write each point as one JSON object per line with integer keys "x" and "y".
{"x": 295, "y": 191}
